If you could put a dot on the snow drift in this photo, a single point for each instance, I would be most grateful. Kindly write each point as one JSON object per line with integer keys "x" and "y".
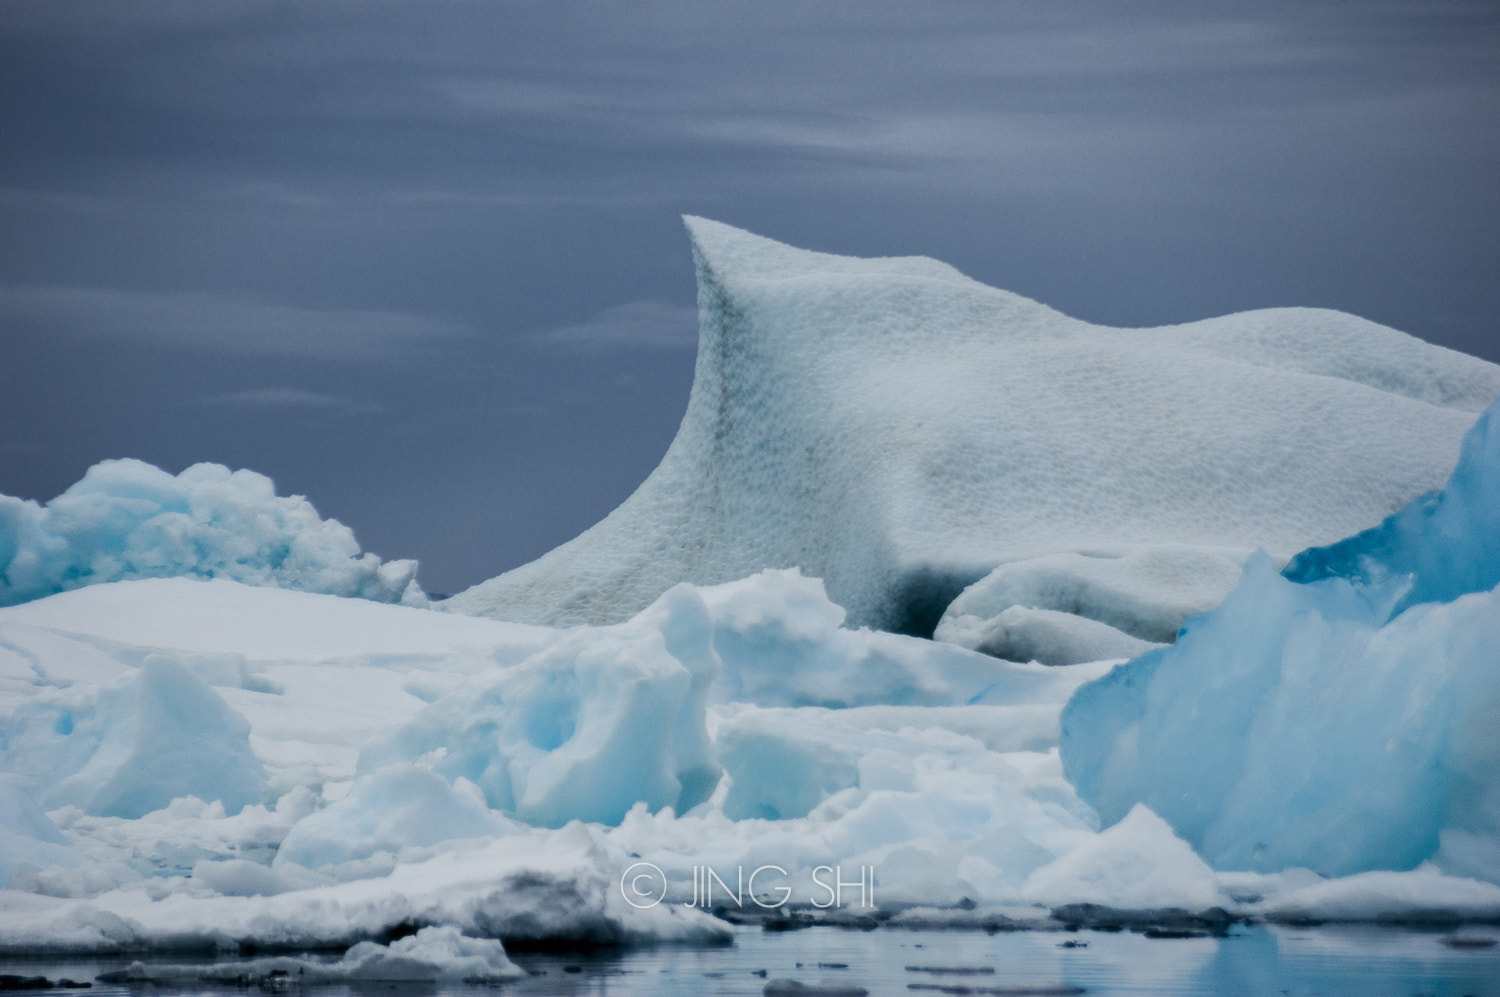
{"x": 1344, "y": 717}
{"x": 127, "y": 519}
{"x": 899, "y": 430}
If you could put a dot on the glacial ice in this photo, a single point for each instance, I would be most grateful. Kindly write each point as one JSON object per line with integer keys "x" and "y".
{"x": 1341, "y": 717}
{"x": 899, "y": 430}
{"x": 128, "y": 519}
{"x": 1443, "y": 544}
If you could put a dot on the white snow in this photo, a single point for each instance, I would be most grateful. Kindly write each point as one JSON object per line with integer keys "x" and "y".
{"x": 128, "y": 519}
{"x": 899, "y": 430}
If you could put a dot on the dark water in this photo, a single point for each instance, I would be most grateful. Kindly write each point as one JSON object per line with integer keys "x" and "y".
{"x": 1354, "y": 961}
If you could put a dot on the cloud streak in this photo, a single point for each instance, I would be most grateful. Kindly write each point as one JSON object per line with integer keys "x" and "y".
{"x": 636, "y": 325}
{"x": 290, "y": 398}
{"x": 221, "y": 324}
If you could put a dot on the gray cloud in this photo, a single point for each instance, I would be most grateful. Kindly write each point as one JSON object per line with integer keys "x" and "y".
{"x": 220, "y": 323}
{"x": 290, "y": 398}
{"x": 649, "y": 325}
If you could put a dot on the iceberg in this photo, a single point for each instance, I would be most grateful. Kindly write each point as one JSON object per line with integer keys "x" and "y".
{"x": 899, "y": 430}
{"x": 128, "y": 519}
{"x": 1342, "y": 716}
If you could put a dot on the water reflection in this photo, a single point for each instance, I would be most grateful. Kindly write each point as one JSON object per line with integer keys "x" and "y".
{"x": 1358, "y": 961}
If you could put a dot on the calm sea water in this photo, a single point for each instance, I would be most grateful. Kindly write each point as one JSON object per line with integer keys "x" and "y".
{"x": 1354, "y": 961}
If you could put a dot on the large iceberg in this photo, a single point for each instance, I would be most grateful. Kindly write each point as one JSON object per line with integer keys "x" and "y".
{"x": 1343, "y": 716}
{"x": 128, "y": 519}
{"x": 899, "y": 430}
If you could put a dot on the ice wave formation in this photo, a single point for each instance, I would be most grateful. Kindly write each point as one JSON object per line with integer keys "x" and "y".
{"x": 899, "y": 430}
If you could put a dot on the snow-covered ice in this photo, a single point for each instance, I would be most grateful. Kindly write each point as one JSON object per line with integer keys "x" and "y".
{"x": 396, "y": 807}
{"x": 1344, "y": 717}
{"x": 139, "y": 744}
{"x": 947, "y": 800}
{"x": 127, "y": 519}
{"x": 582, "y": 730}
{"x": 1062, "y": 609}
{"x": 899, "y": 430}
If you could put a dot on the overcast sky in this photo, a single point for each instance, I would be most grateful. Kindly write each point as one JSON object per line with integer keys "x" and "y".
{"x": 424, "y": 262}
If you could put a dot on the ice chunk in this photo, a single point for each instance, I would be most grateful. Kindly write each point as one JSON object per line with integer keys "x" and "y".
{"x": 391, "y": 809}
{"x": 439, "y": 954}
{"x": 780, "y": 644}
{"x": 1136, "y": 864}
{"x": 899, "y": 430}
{"x": 246, "y": 878}
{"x": 936, "y": 815}
{"x": 27, "y": 837}
{"x": 1062, "y": 609}
{"x": 1321, "y": 724}
{"x": 782, "y": 763}
{"x": 1423, "y": 895}
{"x": 582, "y": 730}
{"x": 541, "y": 887}
{"x": 127, "y": 519}
{"x": 1021, "y": 633}
{"x": 133, "y": 747}
{"x": 1446, "y": 543}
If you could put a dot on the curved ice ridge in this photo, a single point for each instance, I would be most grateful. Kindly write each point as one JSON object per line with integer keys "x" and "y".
{"x": 899, "y": 430}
